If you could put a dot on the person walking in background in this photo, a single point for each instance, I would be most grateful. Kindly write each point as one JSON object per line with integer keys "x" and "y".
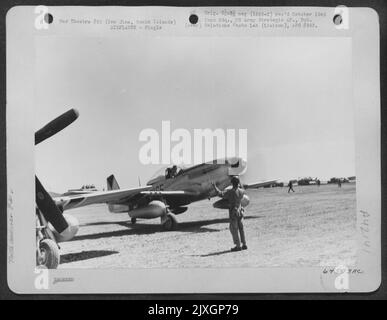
{"x": 290, "y": 185}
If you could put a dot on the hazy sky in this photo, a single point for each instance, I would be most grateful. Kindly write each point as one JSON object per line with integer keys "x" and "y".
{"x": 293, "y": 95}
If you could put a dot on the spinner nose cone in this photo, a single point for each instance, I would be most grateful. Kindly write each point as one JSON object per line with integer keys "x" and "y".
{"x": 233, "y": 160}
{"x": 237, "y": 166}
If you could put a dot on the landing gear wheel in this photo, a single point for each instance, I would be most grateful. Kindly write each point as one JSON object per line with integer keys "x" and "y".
{"x": 133, "y": 220}
{"x": 49, "y": 254}
{"x": 169, "y": 223}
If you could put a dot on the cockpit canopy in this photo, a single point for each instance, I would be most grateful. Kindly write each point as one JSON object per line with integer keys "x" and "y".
{"x": 166, "y": 173}
{"x": 236, "y": 166}
{"x": 172, "y": 172}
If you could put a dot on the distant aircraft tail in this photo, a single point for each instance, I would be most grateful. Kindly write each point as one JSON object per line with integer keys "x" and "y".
{"x": 112, "y": 184}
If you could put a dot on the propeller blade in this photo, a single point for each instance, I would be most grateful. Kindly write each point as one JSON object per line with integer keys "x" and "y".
{"x": 49, "y": 209}
{"x": 56, "y": 125}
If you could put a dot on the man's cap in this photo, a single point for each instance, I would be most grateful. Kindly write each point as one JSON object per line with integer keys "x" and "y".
{"x": 235, "y": 180}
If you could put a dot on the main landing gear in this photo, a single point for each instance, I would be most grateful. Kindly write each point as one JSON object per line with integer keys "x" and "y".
{"x": 169, "y": 222}
{"x": 47, "y": 249}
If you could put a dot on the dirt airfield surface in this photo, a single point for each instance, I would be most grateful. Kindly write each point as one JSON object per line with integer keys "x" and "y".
{"x": 315, "y": 226}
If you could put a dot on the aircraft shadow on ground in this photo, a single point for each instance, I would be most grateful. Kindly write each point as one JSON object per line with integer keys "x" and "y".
{"x": 85, "y": 255}
{"x": 147, "y": 228}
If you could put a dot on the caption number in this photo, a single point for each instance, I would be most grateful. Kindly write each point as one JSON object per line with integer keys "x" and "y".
{"x": 43, "y": 18}
{"x": 225, "y": 309}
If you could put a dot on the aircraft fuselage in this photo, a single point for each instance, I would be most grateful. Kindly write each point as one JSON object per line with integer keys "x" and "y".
{"x": 197, "y": 180}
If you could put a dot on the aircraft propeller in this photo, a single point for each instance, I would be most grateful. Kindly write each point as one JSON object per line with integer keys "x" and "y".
{"x": 44, "y": 201}
{"x": 56, "y": 125}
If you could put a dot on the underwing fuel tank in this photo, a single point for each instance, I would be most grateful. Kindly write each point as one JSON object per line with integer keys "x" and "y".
{"x": 224, "y": 204}
{"x": 153, "y": 210}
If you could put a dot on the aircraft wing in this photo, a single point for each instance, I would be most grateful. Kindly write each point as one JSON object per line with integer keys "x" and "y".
{"x": 109, "y": 197}
{"x": 259, "y": 184}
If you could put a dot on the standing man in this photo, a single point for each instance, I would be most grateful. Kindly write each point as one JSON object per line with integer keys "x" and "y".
{"x": 290, "y": 185}
{"x": 234, "y": 197}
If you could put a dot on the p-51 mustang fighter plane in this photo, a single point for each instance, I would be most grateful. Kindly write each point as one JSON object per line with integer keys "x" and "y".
{"x": 168, "y": 194}
{"x": 163, "y": 197}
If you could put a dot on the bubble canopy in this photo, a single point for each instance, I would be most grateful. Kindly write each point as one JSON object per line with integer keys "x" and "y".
{"x": 175, "y": 170}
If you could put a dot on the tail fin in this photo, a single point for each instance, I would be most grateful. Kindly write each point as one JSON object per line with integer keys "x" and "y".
{"x": 112, "y": 183}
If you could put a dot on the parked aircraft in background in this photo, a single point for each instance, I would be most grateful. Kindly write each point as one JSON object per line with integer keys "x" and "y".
{"x": 89, "y": 188}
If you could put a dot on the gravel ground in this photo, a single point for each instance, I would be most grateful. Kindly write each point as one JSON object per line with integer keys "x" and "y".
{"x": 314, "y": 226}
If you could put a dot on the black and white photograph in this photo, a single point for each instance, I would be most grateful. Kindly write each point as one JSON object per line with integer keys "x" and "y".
{"x": 136, "y": 162}
{"x": 206, "y": 139}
